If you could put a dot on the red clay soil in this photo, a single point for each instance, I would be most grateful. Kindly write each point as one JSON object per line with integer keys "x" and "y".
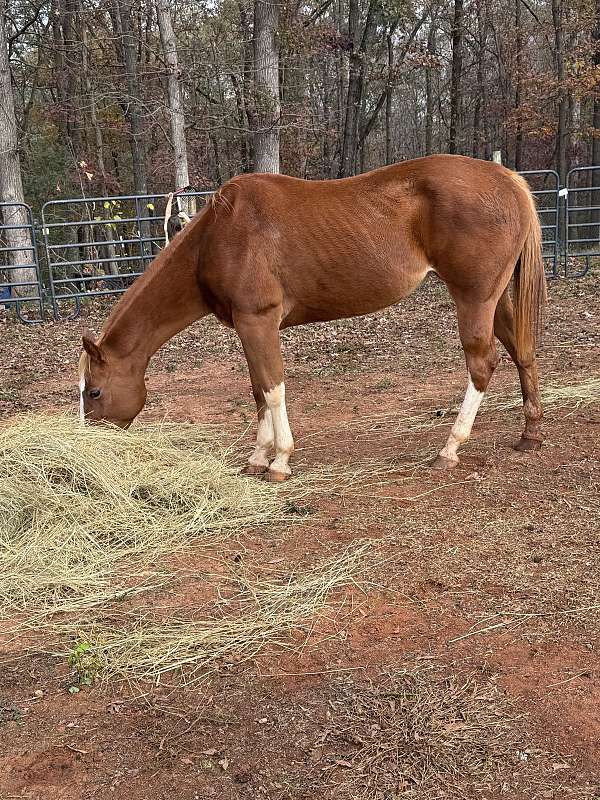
{"x": 507, "y": 544}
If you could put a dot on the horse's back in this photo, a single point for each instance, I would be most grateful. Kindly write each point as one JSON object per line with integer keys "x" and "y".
{"x": 455, "y": 191}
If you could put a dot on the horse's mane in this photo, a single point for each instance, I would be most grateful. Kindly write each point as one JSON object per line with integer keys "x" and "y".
{"x": 219, "y": 199}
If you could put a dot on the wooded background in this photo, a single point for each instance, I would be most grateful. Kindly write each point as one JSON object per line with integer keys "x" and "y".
{"x": 134, "y": 96}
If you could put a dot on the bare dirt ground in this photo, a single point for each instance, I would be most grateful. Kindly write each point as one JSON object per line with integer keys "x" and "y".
{"x": 487, "y": 577}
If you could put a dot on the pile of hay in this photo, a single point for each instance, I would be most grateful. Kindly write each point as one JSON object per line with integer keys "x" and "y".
{"x": 79, "y": 505}
{"x": 89, "y": 516}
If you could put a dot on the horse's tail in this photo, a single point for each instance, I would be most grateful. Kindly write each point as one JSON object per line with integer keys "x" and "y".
{"x": 529, "y": 282}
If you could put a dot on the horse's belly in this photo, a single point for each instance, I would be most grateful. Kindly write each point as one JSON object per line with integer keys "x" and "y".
{"x": 341, "y": 296}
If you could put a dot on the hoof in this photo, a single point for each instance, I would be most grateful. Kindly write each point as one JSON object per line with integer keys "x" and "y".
{"x": 441, "y": 462}
{"x": 253, "y": 469}
{"x": 525, "y": 445}
{"x": 272, "y": 476}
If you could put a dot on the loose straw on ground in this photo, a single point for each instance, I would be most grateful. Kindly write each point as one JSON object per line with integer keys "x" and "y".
{"x": 398, "y": 423}
{"x": 265, "y": 612}
{"x": 418, "y": 733}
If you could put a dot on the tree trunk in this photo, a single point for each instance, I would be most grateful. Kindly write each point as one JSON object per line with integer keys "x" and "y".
{"x": 342, "y": 89}
{"x": 247, "y": 70}
{"x": 596, "y": 112}
{"x": 169, "y": 46}
{"x": 455, "y": 84}
{"x": 294, "y": 82}
{"x": 353, "y": 96}
{"x": 266, "y": 86}
{"x": 58, "y": 64}
{"x": 518, "y": 86}
{"x": 594, "y": 175}
{"x": 356, "y": 79}
{"x": 72, "y": 59}
{"x": 429, "y": 89}
{"x": 389, "y": 101}
{"x": 11, "y": 185}
{"x": 559, "y": 59}
{"x": 132, "y": 105}
{"x": 479, "y": 111}
{"x": 326, "y": 151}
{"x": 91, "y": 102}
{"x": 242, "y": 122}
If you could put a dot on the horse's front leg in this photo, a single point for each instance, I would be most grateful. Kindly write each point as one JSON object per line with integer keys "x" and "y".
{"x": 259, "y": 334}
{"x": 259, "y": 461}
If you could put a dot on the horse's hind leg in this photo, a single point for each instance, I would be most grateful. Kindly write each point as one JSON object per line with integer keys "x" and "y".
{"x": 504, "y": 328}
{"x": 476, "y": 328}
{"x": 259, "y": 334}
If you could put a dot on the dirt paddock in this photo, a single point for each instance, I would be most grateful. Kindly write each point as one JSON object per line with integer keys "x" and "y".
{"x": 464, "y": 662}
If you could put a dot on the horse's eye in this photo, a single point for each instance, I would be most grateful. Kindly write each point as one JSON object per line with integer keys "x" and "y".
{"x": 95, "y": 393}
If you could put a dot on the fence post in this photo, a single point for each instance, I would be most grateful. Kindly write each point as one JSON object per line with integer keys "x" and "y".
{"x": 21, "y": 285}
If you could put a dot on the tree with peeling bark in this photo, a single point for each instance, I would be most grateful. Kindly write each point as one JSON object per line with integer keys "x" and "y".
{"x": 17, "y": 237}
{"x": 176, "y": 109}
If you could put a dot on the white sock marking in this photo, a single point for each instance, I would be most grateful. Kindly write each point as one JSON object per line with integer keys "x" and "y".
{"x": 284, "y": 442}
{"x": 461, "y": 430}
{"x": 264, "y": 441}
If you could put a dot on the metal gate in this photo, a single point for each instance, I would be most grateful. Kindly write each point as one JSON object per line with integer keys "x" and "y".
{"x": 582, "y": 221}
{"x": 18, "y": 251}
{"x": 545, "y": 187}
{"x": 98, "y": 246}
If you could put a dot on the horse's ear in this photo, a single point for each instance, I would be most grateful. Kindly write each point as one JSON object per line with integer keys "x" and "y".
{"x": 91, "y": 348}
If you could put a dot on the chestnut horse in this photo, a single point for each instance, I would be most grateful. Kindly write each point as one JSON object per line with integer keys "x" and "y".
{"x": 272, "y": 251}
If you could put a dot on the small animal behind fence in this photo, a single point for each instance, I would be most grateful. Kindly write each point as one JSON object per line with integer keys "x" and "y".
{"x": 175, "y": 218}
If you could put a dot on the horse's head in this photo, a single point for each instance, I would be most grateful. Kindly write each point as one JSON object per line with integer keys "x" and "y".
{"x": 112, "y": 388}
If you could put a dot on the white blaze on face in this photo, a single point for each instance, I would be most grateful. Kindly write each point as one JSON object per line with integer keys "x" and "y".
{"x": 81, "y": 391}
{"x": 284, "y": 442}
{"x": 461, "y": 430}
{"x": 83, "y": 368}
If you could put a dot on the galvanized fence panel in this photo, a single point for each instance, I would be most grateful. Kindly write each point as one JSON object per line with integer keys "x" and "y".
{"x": 582, "y": 221}
{"x": 98, "y": 246}
{"x": 545, "y": 187}
{"x": 18, "y": 251}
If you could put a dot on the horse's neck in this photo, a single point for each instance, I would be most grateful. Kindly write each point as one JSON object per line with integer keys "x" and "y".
{"x": 160, "y": 304}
